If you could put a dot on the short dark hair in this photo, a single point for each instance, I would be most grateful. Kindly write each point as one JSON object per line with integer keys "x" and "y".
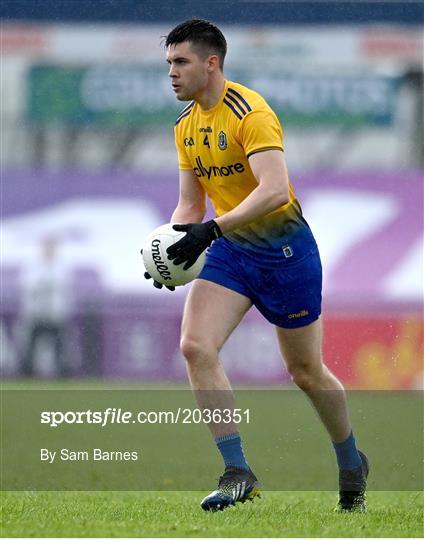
{"x": 204, "y": 36}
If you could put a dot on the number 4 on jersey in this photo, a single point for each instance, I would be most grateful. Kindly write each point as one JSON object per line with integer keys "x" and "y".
{"x": 206, "y": 141}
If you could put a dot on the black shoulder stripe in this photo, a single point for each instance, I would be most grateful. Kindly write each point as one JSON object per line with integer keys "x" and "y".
{"x": 239, "y": 116}
{"x": 185, "y": 112}
{"x": 241, "y": 98}
{"x": 186, "y": 108}
{"x": 182, "y": 116}
{"x": 239, "y": 106}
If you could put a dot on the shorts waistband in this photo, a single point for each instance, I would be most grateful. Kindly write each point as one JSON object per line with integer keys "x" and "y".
{"x": 261, "y": 258}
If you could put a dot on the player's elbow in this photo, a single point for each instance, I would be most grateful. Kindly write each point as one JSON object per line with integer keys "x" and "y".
{"x": 280, "y": 197}
{"x": 189, "y": 213}
{"x": 275, "y": 194}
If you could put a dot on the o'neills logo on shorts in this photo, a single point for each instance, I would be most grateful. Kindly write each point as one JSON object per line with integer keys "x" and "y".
{"x": 159, "y": 262}
{"x": 302, "y": 313}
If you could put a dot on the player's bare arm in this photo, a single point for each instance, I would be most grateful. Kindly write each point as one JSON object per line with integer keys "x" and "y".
{"x": 191, "y": 205}
{"x": 270, "y": 170}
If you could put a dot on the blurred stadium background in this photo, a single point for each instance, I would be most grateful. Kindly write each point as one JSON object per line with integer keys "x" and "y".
{"x": 89, "y": 169}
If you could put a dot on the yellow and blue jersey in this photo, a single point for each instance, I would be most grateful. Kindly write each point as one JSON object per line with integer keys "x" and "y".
{"x": 216, "y": 145}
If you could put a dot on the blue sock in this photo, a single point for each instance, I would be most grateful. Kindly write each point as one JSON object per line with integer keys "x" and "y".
{"x": 231, "y": 451}
{"x": 347, "y": 454}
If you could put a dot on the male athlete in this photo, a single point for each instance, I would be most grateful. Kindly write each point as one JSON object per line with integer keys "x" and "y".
{"x": 262, "y": 252}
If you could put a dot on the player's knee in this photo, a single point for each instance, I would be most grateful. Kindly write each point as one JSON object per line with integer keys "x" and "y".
{"x": 305, "y": 378}
{"x": 194, "y": 349}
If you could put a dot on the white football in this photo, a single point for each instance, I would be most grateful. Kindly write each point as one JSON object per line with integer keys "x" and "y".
{"x": 156, "y": 259}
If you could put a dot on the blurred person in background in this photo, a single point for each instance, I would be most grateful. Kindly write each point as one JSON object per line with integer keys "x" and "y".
{"x": 45, "y": 310}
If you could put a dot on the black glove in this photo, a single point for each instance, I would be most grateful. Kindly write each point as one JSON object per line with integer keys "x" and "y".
{"x": 199, "y": 236}
{"x": 156, "y": 283}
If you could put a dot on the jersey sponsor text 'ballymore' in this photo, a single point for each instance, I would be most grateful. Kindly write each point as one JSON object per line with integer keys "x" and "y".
{"x": 225, "y": 170}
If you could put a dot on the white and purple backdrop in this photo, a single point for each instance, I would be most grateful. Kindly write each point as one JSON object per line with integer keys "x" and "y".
{"x": 369, "y": 227}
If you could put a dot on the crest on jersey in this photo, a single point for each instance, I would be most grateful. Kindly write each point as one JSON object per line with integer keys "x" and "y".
{"x": 222, "y": 140}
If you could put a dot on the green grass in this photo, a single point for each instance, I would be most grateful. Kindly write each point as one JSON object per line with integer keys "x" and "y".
{"x": 177, "y": 514}
{"x": 296, "y": 456}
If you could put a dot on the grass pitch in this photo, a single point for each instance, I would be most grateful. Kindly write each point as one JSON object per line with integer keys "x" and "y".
{"x": 178, "y": 514}
{"x": 278, "y": 514}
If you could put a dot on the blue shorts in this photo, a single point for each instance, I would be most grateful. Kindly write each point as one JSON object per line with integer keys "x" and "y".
{"x": 286, "y": 292}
